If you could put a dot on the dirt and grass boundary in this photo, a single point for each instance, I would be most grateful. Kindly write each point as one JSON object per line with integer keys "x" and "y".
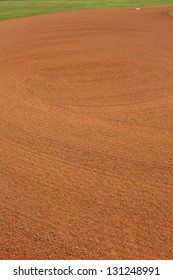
{"x": 21, "y": 8}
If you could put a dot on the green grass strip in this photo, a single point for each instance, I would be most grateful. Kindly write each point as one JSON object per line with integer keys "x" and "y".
{"x": 20, "y": 8}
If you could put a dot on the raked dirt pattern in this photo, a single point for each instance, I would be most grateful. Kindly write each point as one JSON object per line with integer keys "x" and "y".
{"x": 86, "y": 135}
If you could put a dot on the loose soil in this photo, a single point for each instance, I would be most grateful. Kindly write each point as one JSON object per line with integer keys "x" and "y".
{"x": 86, "y": 135}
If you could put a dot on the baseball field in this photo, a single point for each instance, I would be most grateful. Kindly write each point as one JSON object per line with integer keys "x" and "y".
{"x": 86, "y": 130}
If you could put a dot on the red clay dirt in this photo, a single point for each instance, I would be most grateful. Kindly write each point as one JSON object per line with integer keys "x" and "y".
{"x": 86, "y": 135}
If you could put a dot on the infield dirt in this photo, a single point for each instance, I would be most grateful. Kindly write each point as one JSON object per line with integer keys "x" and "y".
{"x": 86, "y": 135}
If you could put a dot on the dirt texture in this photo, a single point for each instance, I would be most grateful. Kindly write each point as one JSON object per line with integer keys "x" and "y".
{"x": 86, "y": 135}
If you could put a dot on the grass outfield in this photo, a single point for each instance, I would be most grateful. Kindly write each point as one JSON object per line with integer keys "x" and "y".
{"x": 20, "y": 8}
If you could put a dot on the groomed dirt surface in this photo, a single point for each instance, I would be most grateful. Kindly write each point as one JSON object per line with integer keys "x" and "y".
{"x": 86, "y": 135}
